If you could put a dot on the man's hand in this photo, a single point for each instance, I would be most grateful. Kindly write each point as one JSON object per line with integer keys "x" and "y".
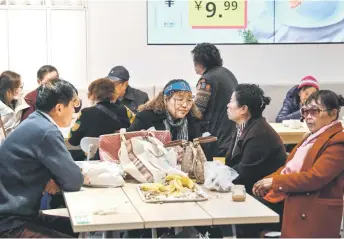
{"x": 52, "y": 188}
{"x": 262, "y": 187}
{"x": 86, "y": 180}
{"x": 295, "y": 3}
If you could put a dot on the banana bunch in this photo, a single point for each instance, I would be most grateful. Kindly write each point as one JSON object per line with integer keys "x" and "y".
{"x": 175, "y": 186}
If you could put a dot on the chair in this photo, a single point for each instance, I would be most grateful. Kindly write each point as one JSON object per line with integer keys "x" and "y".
{"x": 90, "y": 146}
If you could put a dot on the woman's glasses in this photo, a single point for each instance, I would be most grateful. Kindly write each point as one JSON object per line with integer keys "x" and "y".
{"x": 313, "y": 111}
{"x": 180, "y": 101}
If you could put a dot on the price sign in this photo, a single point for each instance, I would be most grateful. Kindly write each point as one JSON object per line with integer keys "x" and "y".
{"x": 218, "y": 14}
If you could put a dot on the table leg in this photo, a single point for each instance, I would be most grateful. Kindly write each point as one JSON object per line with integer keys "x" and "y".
{"x": 233, "y": 233}
{"x": 177, "y": 230}
{"x": 154, "y": 233}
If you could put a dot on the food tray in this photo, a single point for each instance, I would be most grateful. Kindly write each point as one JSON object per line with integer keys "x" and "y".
{"x": 203, "y": 197}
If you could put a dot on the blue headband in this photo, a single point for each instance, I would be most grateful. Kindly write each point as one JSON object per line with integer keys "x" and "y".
{"x": 177, "y": 86}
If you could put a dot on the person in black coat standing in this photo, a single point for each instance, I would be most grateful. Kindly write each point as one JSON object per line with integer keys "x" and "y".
{"x": 256, "y": 150}
{"x": 214, "y": 90}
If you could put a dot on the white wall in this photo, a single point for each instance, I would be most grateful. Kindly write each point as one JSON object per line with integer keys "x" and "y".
{"x": 117, "y": 35}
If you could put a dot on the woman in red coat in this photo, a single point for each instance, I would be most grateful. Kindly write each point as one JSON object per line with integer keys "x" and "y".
{"x": 312, "y": 181}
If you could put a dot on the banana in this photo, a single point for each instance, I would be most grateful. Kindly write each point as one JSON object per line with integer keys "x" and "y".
{"x": 153, "y": 187}
{"x": 176, "y": 194}
{"x": 187, "y": 182}
{"x": 173, "y": 176}
{"x": 168, "y": 189}
{"x": 179, "y": 187}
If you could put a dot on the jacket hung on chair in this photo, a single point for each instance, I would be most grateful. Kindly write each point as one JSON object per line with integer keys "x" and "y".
{"x": 291, "y": 106}
{"x": 93, "y": 122}
{"x": 150, "y": 118}
{"x": 258, "y": 152}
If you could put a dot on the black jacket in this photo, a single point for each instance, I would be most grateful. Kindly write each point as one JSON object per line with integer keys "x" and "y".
{"x": 291, "y": 106}
{"x": 149, "y": 118}
{"x": 133, "y": 98}
{"x": 215, "y": 119}
{"x": 92, "y": 122}
{"x": 259, "y": 152}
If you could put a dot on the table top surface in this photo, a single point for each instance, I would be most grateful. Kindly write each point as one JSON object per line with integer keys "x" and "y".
{"x": 133, "y": 213}
{"x": 281, "y": 129}
{"x": 85, "y": 206}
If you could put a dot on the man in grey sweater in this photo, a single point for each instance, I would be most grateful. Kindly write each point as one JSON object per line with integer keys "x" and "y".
{"x": 33, "y": 154}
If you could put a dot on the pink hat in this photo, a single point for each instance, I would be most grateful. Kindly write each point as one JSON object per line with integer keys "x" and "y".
{"x": 309, "y": 81}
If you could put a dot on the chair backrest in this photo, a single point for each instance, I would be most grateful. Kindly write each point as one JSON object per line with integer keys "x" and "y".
{"x": 90, "y": 146}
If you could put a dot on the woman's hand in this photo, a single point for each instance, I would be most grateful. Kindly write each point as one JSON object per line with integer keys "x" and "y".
{"x": 262, "y": 187}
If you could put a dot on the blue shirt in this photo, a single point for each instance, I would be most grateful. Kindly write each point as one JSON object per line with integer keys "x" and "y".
{"x": 30, "y": 156}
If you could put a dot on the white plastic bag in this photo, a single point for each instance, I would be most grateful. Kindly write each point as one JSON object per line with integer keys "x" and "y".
{"x": 219, "y": 177}
{"x": 102, "y": 174}
{"x": 146, "y": 159}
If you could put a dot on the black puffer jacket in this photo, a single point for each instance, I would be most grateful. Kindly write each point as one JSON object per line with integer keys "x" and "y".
{"x": 291, "y": 106}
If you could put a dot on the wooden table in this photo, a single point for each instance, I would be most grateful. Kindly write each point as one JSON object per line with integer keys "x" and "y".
{"x": 224, "y": 210}
{"x": 84, "y": 204}
{"x": 289, "y": 135}
{"x": 133, "y": 213}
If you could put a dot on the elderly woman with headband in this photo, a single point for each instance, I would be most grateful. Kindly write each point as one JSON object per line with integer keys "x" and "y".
{"x": 173, "y": 109}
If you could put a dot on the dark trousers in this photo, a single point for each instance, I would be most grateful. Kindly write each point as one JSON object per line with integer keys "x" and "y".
{"x": 44, "y": 226}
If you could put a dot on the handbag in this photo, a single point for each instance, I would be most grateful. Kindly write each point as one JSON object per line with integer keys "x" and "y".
{"x": 193, "y": 156}
{"x": 145, "y": 158}
{"x": 109, "y": 144}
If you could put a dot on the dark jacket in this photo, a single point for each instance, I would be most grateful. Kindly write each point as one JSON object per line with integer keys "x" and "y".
{"x": 291, "y": 106}
{"x": 133, "y": 98}
{"x": 93, "y": 122}
{"x": 149, "y": 118}
{"x": 31, "y": 155}
{"x": 215, "y": 119}
{"x": 31, "y": 99}
{"x": 258, "y": 153}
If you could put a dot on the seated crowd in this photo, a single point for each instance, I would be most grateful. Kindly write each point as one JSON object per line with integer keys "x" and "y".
{"x": 304, "y": 187}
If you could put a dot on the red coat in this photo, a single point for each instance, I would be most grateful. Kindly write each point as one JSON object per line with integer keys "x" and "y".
{"x": 31, "y": 98}
{"x": 314, "y": 203}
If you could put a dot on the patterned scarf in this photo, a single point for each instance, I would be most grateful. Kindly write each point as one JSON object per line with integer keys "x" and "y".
{"x": 240, "y": 129}
{"x": 180, "y": 127}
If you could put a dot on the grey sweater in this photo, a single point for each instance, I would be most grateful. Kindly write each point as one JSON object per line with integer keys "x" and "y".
{"x": 30, "y": 156}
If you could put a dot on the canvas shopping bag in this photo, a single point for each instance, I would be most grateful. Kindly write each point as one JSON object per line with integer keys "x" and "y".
{"x": 145, "y": 158}
{"x": 110, "y": 144}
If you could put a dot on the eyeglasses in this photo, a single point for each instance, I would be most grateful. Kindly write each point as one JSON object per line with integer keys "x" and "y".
{"x": 313, "y": 111}
{"x": 180, "y": 101}
{"x": 76, "y": 102}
